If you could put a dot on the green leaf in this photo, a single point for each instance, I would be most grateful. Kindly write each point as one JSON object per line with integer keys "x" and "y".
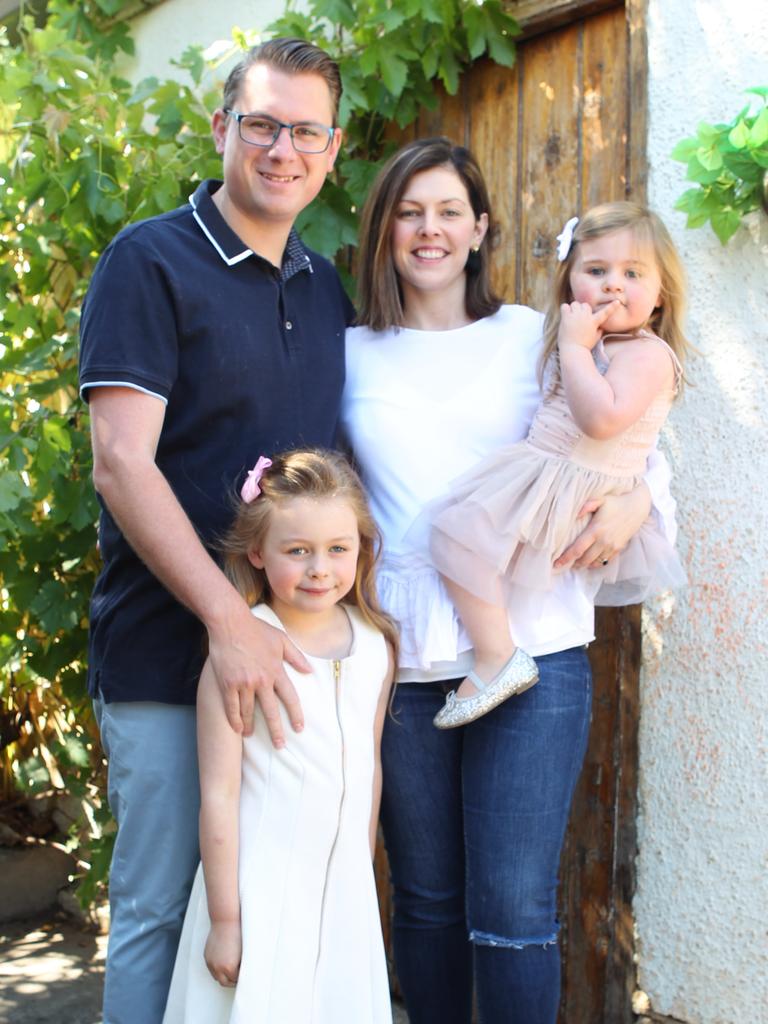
{"x": 193, "y": 60}
{"x": 73, "y": 751}
{"x": 758, "y": 134}
{"x": 725, "y": 224}
{"x": 57, "y": 435}
{"x": 739, "y": 135}
{"x": 389, "y": 19}
{"x": 12, "y": 491}
{"x": 110, "y": 7}
{"x": 358, "y": 177}
{"x": 684, "y": 150}
{"x": 340, "y": 12}
{"x": 710, "y": 157}
{"x": 144, "y": 89}
{"x": 448, "y": 70}
{"x": 394, "y": 74}
{"x": 474, "y": 23}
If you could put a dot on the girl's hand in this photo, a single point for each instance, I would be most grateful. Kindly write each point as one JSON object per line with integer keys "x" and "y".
{"x": 580, "y": 326}
{"x": 223, "y": 951}
{"x": 614, "y": 520}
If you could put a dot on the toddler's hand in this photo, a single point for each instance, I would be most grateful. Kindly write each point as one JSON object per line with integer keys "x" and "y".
{"x": 223, "y": 951}
{"x": 580, "y": 326}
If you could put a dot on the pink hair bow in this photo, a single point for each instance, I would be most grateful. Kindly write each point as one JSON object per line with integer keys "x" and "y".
{"x": 250, "y": 488}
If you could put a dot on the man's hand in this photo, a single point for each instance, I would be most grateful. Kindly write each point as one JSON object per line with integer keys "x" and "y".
{"x": 247, "y": 659}
{"x": 223, "y": 952}
{"x": 614, "y": 521}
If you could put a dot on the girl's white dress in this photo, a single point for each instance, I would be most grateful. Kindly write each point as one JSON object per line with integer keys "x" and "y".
{"x": 312, "y": 946}
{"x": 504, "y": 522}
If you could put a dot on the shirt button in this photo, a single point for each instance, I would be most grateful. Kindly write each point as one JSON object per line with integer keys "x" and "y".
{"x": 288, "y": 325}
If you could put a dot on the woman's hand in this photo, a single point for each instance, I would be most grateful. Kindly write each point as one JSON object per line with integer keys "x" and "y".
{"x": 223, "y": 951}
{"x": 615, "y": 519}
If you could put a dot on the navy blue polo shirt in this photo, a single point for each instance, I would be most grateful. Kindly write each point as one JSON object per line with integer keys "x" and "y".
{"x": 249, "y": 361}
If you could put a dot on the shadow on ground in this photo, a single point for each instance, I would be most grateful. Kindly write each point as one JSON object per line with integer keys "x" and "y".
{"x": 52, "y": 972}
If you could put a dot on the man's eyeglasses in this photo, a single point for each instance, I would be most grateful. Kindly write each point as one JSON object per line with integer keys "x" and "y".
{"x": 260, "y": 130}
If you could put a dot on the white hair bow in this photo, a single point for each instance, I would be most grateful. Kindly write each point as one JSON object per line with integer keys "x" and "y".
{"x": 565, "y": 238}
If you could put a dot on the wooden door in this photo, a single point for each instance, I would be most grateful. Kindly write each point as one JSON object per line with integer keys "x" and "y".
{"x": 562, "y": 130}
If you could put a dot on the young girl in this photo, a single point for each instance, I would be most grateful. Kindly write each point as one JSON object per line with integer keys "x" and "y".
{"x": 283, "y": 922}
{"x": 497, "y": 536}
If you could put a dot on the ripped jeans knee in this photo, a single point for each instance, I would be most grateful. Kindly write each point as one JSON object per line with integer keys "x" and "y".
{"x": 479, "y": 938}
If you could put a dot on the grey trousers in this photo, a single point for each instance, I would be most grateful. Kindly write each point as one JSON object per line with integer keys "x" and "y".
{"x": 154, "y": 794}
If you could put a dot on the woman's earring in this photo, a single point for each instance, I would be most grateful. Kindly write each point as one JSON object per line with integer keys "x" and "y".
{"x": 475, "y": 248}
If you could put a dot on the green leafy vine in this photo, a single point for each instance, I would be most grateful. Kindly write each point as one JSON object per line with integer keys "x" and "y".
{"x": 729, "y": 162}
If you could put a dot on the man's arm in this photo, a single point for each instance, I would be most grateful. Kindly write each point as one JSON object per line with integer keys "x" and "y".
{"x": 246, "y": 655}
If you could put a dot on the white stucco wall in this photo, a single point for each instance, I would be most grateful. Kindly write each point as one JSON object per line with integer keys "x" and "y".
{"x": 165, "y": 31}
{"x": 702, "y": 900}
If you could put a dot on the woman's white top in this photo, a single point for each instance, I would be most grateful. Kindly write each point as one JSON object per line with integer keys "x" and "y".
{"x": 419, "y": 409}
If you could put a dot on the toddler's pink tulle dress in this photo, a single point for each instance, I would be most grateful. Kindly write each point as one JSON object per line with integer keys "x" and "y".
{"x": 504, "y": 523}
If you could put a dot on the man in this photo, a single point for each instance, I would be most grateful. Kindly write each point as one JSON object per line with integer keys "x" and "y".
{"x": 210, "y": 335}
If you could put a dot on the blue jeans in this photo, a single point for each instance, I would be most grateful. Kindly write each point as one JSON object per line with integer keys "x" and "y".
{"x": 474, "y": 820}
{"x": 154, "y": 795}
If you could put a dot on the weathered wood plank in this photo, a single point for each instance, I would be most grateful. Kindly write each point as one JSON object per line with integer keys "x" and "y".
{"x": 637, "y": 106}
{"x": 492, "y": 95}
{"x": 448, "y": 118}
{"x": 605, "y": 127}
{"x": 598, "y": 859}
{"x": 550, "y": 153}
{"x": 535, "y": 16}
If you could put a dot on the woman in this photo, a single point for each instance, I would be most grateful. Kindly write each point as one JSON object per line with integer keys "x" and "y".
{"x": 439, "y": 373}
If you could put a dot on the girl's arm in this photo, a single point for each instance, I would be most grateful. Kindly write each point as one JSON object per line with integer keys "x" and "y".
{"x": 603, "y": 406}
{"x": 378, "y": 728}
{"x": 220, "y": 752}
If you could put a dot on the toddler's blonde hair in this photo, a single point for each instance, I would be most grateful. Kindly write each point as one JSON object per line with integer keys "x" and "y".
{"x": 648, "y": 229}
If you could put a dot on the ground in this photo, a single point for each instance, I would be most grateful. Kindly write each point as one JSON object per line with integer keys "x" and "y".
{"x": 52, "y": 972}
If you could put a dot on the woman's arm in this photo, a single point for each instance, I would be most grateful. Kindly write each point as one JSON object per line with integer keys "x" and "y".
{"x": 604, "y": 405}
{"x": 378, "y": 728}
{"x": 220, "y": 752}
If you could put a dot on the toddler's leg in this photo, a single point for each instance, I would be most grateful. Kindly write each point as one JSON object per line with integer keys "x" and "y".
{"x": 488, "y": 629}
{"x": 501, "y": 669}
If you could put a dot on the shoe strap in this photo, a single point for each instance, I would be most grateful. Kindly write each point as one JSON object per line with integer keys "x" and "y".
{"x": 475, "y": 678}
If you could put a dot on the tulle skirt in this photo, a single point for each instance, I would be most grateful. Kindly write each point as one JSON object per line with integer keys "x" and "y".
{"x": 506, "y": 521}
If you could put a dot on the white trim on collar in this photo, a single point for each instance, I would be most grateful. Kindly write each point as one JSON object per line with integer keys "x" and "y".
{"x": 229, "y": 260}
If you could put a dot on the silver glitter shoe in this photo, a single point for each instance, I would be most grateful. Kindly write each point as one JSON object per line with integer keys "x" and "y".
{"x": 518, "y": 675}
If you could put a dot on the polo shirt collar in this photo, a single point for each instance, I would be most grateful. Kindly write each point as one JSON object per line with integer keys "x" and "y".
{"x": 228, "y": 245}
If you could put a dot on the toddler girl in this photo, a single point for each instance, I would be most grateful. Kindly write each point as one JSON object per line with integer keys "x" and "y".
{"x": 283, "y": 922}
{"x": 495, "y": 538}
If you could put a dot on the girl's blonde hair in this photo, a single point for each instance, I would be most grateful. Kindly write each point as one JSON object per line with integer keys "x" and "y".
{"x": 648, "y": 229}
{"x": 311, "y": 473}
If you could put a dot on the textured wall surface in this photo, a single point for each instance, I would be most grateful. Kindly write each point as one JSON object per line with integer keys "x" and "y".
{"x": 702, "y": 901}
{"x": 164, "y": 32}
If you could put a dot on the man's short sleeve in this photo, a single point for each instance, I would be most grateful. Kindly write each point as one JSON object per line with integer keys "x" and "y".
{"x": 129, "y": 331}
